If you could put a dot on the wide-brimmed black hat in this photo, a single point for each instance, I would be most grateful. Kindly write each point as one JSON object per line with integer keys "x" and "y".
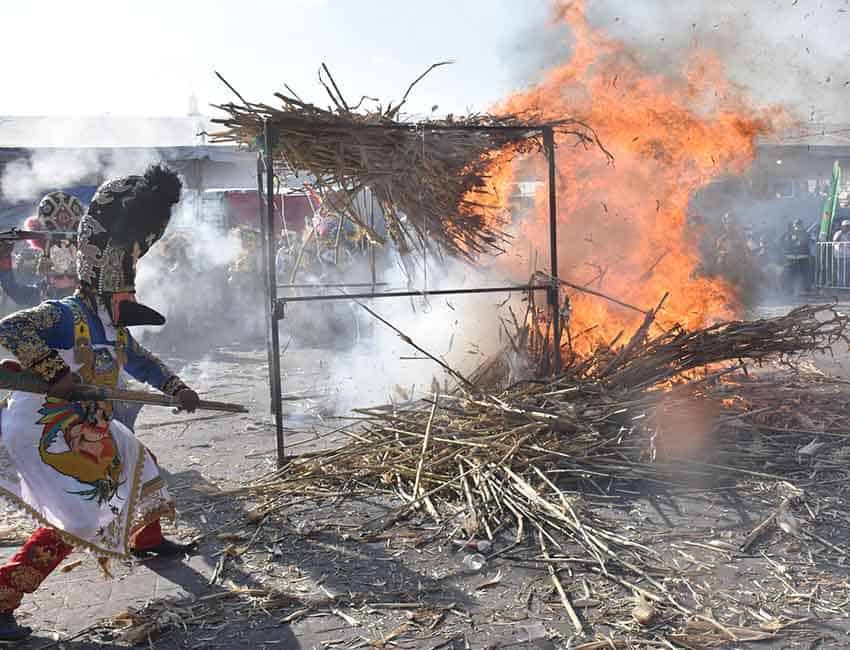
{"x": 125, "y": 218}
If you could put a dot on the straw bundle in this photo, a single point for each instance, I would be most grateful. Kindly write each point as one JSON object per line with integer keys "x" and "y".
{"x": 430, "y": 177}
{"x": 522, "y": 460}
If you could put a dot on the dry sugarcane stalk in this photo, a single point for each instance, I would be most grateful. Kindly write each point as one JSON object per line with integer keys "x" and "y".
{"x": 757, "y": 532}
{"x": 431, "y": 183}
{"x": 425, "y": 441}
{"x": 565, "y": 600}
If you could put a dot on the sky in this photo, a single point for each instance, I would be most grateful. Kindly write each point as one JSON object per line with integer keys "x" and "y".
{"x": 147, "y": 58}
{"x": 92, "y": 57}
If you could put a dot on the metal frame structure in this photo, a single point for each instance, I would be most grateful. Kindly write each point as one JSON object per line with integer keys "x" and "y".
{"x": 274, "y": 306}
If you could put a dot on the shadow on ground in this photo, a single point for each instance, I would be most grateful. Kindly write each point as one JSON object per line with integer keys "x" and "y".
{"x": 243, "y": 586}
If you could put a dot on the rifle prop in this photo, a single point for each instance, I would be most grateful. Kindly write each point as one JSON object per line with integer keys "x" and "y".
{"x": 38, "y": 235}
{"x": 26, "y": 382}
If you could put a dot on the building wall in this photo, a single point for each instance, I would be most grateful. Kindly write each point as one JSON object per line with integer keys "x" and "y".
{"x": 785, "y": 183}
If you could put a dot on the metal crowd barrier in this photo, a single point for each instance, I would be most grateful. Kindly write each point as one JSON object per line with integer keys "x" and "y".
{"x": 832, "y": 265}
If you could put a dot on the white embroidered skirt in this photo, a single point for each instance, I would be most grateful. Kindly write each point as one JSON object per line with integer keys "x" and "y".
{"x": 92, "y": 481}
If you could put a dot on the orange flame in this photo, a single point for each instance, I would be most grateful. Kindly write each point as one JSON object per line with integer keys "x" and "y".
{"x": 622, "y": 226}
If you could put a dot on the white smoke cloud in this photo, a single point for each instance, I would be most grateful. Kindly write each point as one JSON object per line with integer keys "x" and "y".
{"x": 786, "y": 52}
{"x": 782, "y": 52}
{"x": 30, "y": 178}
{"x": 188, "y": 283}
{"x": 464, "y": 331}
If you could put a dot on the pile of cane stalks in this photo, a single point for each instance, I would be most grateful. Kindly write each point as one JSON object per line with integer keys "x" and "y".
{"x": 429, "y": 177}
{"x": 521, "y": 463}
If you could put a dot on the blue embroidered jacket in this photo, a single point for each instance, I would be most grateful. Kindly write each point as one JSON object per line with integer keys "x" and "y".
{"x": 34, "y": 336}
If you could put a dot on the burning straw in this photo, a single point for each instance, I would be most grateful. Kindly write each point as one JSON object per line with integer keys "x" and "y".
{"x": 429, "y": 177}
{"x": 517, "y": 462}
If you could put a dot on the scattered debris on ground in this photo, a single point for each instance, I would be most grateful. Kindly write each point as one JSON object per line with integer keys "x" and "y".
{"x": 520, "y": 469}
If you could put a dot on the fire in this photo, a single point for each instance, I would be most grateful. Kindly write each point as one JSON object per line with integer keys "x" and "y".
{"x": 622, "y": 225}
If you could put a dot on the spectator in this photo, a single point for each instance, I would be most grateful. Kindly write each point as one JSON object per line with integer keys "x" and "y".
{"x": 284, "y": 257}
{"x": 796, "y": 247}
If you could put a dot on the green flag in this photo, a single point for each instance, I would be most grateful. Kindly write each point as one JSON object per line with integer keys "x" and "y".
{"x": 831, "y": 204}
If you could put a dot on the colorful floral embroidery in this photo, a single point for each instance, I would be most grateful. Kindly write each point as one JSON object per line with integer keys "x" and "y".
{"x": 10, "y": 598}
{"x": 173, "y": 385}
{"x": 91, "y": 457}
{"x": 107, "y": 484}
{"x": 23, "y": 334}
{"x": 25, "y": 578}
{"x": 51, "y": 368}
{"x": 26, "y": 570}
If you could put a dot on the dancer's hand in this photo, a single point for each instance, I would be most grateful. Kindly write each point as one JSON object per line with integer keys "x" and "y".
{"x": 188, "y": 399}
{"x": 62, "y": 388}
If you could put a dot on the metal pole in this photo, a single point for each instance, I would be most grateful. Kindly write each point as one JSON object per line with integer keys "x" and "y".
{"x": 371, "y": 243}
{"x": 271, "y": 278}
{"x": 554, "y": 292}
{"x": 331, "y": 285}
{"x": 199, "y": 193}
{"x": 412, "y": 294}
{"x": 267, "y": 304}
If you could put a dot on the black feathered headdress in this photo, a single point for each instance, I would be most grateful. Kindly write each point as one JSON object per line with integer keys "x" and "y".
{"x": 125, "y": 218}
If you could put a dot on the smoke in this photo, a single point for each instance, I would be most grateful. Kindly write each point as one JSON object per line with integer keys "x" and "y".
{"x": 190, "y": 277}
{"x": 369, "y": 363}
{"x": 186, "y": 277}
{"x": 539, "y": 45}
{"x": 781, "y": 52}
{"x": 363, "y": 361}
{"x": 45, "y": 170}
{"x": 785, "y": 52}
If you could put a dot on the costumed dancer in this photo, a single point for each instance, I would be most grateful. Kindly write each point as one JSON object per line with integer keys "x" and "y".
{"x": 70, "y": 465}
{"x": 57, "y": 212}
